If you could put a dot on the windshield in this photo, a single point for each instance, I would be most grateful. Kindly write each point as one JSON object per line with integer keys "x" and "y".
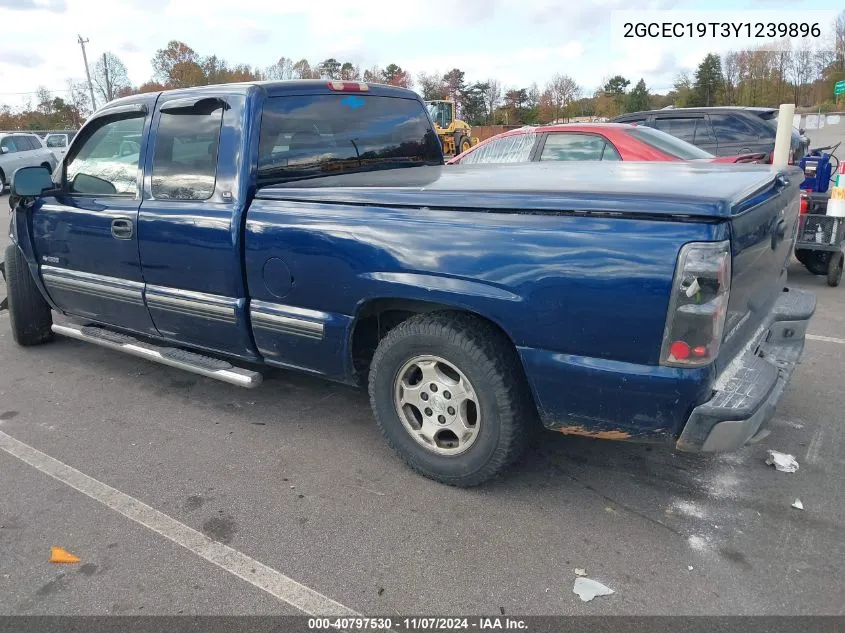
{"x": 320, "y": 135}
{"x": 668, "y": 144}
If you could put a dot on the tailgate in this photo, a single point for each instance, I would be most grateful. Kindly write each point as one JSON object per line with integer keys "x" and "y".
{"x": 763, "y": 228}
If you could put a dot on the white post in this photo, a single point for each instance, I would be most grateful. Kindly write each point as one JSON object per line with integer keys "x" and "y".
{"x": 783, "y": 140}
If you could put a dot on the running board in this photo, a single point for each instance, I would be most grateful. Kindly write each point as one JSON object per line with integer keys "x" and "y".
{"x": 171, "y": 356}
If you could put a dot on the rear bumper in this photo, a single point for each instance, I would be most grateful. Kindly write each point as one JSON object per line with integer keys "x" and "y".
{"x": 748, "y": 390}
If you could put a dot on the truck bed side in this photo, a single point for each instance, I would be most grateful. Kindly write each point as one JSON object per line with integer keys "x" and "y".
{"x": 587, "y": 293}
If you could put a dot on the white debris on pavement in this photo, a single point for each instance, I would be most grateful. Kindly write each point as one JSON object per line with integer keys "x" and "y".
{"x": 783, "y": 462}
{"x": 580, "y": 572}
{"x": 698, "y": 543}
{"x": 797, "y": 504}
{"x": 689, "y": 509}
{"x": 690, "y": 567}
{"x": 588, "y": 589}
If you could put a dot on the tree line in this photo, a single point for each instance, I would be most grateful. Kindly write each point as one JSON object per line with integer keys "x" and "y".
{"x": 746, "y": 78}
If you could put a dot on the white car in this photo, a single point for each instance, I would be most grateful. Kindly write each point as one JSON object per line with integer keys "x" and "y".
{"x": 20, "y": 149}
{"x": 58, "y": 143}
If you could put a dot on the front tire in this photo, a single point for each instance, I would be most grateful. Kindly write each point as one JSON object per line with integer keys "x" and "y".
{"x": 834, "y": 270}
{"x": 450, "y": 398}
{"x": 29, "y": 313}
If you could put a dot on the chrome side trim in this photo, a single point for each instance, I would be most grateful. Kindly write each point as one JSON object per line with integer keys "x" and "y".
{"x": 189, "y": 303}
{"x": 93, "y": 285}
{"x": 188, "y": 361}
{"x": 287, "y": 325}
{"x": 283, "y": 319}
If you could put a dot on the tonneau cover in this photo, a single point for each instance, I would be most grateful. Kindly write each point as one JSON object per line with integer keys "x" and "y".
{"x": 702, "y": 190}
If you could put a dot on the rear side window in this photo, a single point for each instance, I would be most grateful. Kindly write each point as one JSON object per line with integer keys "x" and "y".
{"x": 186, "y": 145}
{"x": 514, "y": 148}
{"x": 323, "y": 135}
{"x": 682, "y": 128}
{"x": 566, "y": 146}
{"x": 730, "y": 128}
{"x": 25, "y": 143}
{"x": 668, "y": 144}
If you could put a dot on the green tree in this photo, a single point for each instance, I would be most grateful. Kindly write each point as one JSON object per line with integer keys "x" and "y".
{"x": 616, "y": 85}
{"x": 475, "y": 103}
{"x": 395, "y": 76}
{"x": 684, "y": 93}
{"x": 329, "y": 68}
{"x": 430, "y": 86}
{"x": 638, "y": 97}
{"x": 515, "y": 106}
{"x": 615, "y": 88}
{"x": 302, "y": 70}
{"x": 349, "y": 72}
{"x": 707, "y": 89}
{"x": 454, "y": 86}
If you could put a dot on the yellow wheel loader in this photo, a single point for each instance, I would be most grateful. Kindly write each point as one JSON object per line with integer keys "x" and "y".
{"x": 455, "y": 135}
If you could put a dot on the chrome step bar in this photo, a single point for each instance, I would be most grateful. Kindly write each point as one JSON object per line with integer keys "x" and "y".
{"x": 171, "y": 356}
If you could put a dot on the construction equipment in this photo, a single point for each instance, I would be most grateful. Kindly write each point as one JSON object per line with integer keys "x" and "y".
{"x": 455, "y": 135}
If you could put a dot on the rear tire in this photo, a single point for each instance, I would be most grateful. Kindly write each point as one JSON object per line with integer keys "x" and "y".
{"x": 817, "y": 262}
{"x": 834, "y": 270}
{"x": 459, "y": 141}
{"x": 2, "y": 182}
{"x": 466, "y": 437}
{"x": 29, "y": 314}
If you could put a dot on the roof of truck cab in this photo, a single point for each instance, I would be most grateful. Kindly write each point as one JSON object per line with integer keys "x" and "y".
{"x": 681, "y": 188}
{"x": 271, "y": 89}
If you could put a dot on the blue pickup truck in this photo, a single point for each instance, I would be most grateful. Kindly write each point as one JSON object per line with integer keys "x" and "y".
{"x": 313, "y": 226}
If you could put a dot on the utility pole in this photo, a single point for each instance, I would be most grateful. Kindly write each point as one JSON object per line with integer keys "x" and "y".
{"x": 108, "y": 84}
{"x": 82, "y": 43}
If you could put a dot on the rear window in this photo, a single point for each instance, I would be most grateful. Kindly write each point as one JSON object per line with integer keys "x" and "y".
{"x": 668, "y": 144}
{"x": 324, "y": 135}
{"x": 513, "y": 148}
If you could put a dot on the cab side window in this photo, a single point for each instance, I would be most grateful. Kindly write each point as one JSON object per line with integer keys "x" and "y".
{"x": 186, "y": 145}
{"x": 106, "y": 161}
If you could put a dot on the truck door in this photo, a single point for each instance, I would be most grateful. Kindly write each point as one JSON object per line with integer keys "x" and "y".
{"x": 85, "y": 236}
{"x": 190, "y": 223}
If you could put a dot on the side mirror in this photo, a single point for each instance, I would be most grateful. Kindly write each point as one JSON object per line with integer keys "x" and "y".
{"x": 29, "y": 182}
{"x": 4, "y": 150}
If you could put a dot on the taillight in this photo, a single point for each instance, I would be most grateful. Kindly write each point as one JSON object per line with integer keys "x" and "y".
{"x": 804, "y": 204}
{"x": 348, "y": 86}
{"x": 698, "y": 305}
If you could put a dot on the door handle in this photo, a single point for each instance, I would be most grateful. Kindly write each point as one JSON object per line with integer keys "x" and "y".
{"x": 121, "y": 228}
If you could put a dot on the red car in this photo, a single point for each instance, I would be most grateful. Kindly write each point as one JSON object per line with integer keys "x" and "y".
{"x": 589, "y": 141}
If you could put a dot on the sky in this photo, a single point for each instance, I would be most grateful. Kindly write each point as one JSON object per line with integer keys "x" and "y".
{"x": 516, "y": 41}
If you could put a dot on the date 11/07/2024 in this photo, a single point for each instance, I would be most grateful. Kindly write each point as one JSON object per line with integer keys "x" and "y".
{"x": 656, "y": 30}
{"x": 418, "y": 624}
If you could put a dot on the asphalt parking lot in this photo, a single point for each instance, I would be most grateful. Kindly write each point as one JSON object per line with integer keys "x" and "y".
{"x": 295, "y": 477}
